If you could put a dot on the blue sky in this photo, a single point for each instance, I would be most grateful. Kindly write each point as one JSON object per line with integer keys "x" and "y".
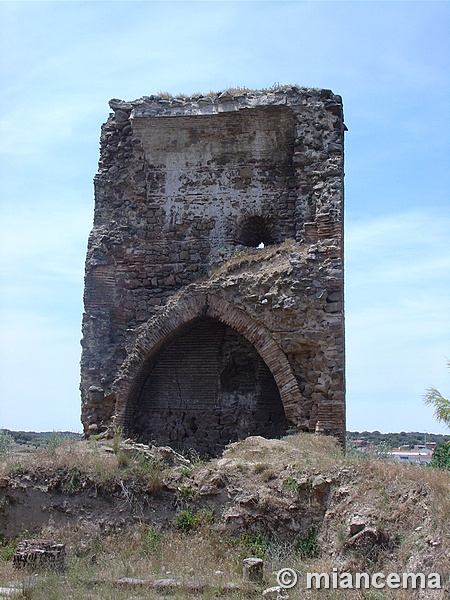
{"x": 60, "y": 63}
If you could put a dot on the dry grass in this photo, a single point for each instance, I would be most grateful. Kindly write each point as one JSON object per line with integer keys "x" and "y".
{"x": 234, "y": 91}
{"x": 409, "y": 502}
{"x": 81, "y": 464}
{"x": 252, "y": 256}
{"x": 89, "y": 456}
{"x": 392, "y": 481}
{"x": 302, "y": 452}
{"x": 95, "y": 564}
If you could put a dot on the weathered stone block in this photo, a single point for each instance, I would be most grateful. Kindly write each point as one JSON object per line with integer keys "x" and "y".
{"x": 253, "y": 570}
{"x": 38, "y": 554}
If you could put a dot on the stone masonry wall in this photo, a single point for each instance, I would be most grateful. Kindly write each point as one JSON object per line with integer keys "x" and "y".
{"x": 187, "y": 192}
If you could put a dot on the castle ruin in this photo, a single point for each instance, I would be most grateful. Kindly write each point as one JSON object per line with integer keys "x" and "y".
{"x": 214, "y": 271}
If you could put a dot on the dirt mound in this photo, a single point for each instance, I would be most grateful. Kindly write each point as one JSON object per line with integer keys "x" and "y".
{"x": 299, "y": 492}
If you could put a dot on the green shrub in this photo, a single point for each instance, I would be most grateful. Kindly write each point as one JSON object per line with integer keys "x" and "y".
{"x": 6, "y": 441}
{"x": 152, "y": 540}
{"x": 441, "y": 457}
{"x": 308, "y": 547}
{"x": 117, "y": 438}
{"x": 73, "y": 481}
{"x": 17, "y": 469}
{"x": 55, "y": 440}
{"x": 151, "y": 473}
{"x": 187, "y": 520}
{"x": 291, "y": 484}
{"x": 184, "y": 495}
{"x": 7, "y": 550}
{"x": 256, "y": 543}
{"x": 186, "y": 471}
{"x": 137, "y": 467}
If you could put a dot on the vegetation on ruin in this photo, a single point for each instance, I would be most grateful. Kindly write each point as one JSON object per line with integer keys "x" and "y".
{"x": 250, "y": 256}
{"x": 233, "y": 91}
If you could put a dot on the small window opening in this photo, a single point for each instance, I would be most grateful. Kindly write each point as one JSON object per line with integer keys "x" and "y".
{"x": 256, "y": 232}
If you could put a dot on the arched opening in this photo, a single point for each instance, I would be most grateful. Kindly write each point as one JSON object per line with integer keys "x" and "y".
{"x": 206, "y": 387}
{"x": 256, "y": 232}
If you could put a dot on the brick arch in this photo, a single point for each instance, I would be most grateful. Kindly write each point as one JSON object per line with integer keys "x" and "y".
{"x": 163, "y": 328}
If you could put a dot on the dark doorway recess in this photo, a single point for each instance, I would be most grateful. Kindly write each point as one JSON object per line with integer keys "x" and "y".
{"x": 256, "y": 231}
{"x": 207, "y": 387}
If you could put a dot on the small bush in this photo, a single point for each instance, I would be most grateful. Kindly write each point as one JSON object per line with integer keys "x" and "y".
{"x": 308, "y": 547}
{"x": 16, "y": 469}
{"x": 54, "y": 441}
{"x": 149, "y": 470}
{"x": 184, "y": 496}
{"x": 6, "y": 442}
{"x": 73, "y": 481}
{"x": 7, "y": 550}
{"x": 137, "y": 467}
{"x": 187, "y": 520}
{"x": 117, "y": 438}
{"x": 441, "y": 457}
{"x": 291, "y": 484}
{"x": 256, "y": 543}
{"x": 260, "y": 468}
{"x": 152, "y": 540}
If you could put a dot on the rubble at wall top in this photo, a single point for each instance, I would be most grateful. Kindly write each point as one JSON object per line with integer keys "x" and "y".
{"x": 227, "y": 101}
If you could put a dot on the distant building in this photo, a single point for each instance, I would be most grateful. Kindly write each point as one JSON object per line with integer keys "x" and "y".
{"x": 419, "y": 454}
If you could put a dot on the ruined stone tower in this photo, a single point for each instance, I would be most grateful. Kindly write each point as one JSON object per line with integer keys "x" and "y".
{"x": 214, "y": 272}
